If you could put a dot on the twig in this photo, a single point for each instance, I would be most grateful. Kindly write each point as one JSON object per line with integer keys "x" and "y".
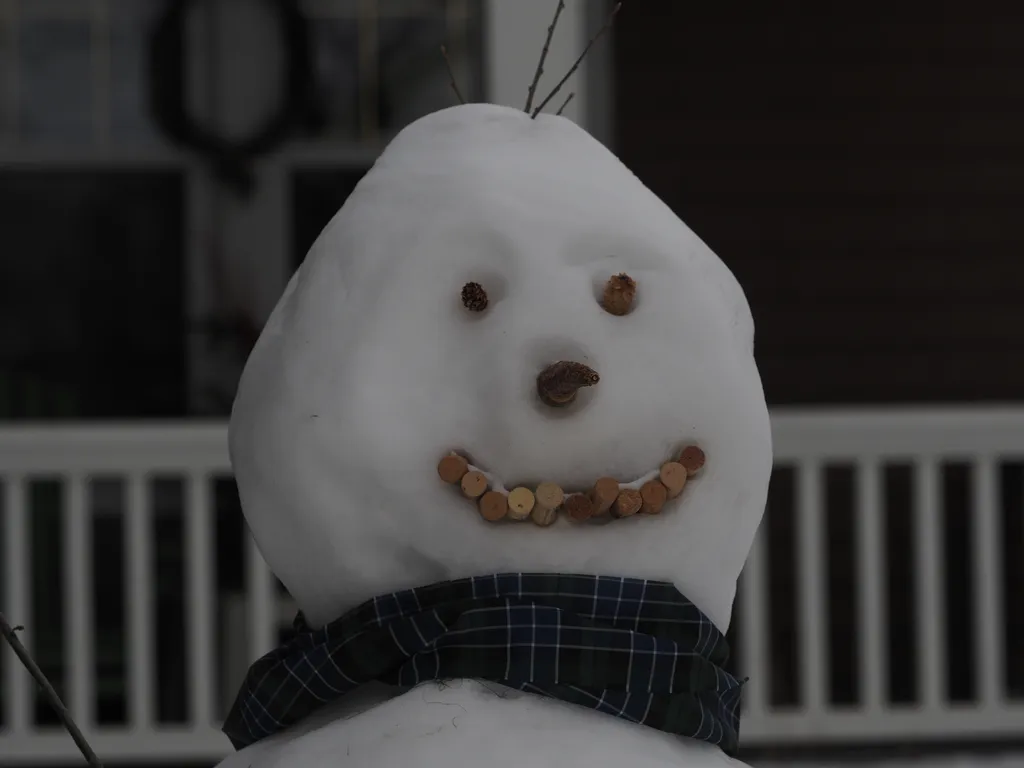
{"x": 565, "y": 103}
{"x": 51, "y": 695}
{"x": 543, "y": 57}
{"x": 571, "y": 72}
{"x": 451, "y": 75}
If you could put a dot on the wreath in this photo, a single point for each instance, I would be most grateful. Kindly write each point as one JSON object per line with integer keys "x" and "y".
{"x": 229, "y": 160}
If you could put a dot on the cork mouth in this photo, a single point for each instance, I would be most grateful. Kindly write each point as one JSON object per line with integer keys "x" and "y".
{"x": 607, "y": 498}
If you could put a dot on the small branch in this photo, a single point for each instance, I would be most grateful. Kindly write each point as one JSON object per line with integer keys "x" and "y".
{"x": 451, "y": 75}
{"x": 51, "y": 695}
{"x": 565, "y": 104}
{"x": 571, "y": 72}
{"x": 543, "y": 57}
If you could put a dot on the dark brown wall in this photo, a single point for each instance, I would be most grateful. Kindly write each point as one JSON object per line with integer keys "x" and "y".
{"x": 860, "y": 166}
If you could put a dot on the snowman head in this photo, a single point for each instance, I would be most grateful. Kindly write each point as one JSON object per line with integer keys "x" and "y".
{"x": 506, "y": 289}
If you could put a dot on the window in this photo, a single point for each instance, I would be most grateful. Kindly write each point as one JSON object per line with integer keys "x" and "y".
{"x": 380, "y": 66}
{"x": 91, "y": 280}
{"x": 134, "y": 284}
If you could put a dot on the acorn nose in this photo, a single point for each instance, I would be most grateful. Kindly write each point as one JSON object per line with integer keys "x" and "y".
{"x": 558, "y": 384}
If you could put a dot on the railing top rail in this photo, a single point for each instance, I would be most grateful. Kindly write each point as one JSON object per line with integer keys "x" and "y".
{"x": 116, "y": 448}
{"x": 799, "y": 433}
{"x": 898, "y": 432}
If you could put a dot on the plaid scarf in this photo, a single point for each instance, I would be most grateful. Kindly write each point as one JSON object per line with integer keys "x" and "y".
{"x": 631, "y": 648}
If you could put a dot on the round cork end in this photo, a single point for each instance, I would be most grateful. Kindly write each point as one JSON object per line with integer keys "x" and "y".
{"x": 627, "y": 503}
{"x": 619, "y": 294}
{"x": 692, "y": 458}
{"x": 452, "y": 469}
{"x": 654, "y": 495}
{"x": 673, "y": 477}
{"x": 603, "y": 494}
{"x": 520, "y": 503}
{"x": 493, "y": 506}
{"x": 579, "y": 508}
{"x": 543, "y": 516}
{"x": 549, "y": 496}
{"x": 474, "y": 484}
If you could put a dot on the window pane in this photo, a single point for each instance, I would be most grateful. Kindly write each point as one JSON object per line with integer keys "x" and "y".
{"x": 131, "y": 22}
{"x": 414, "y": 78}
{"x": 337, "y": 65}
{"x": 317, "y": 195}
{"x": 7, "y": 123}
{"x": 91, "y": 295}
{"x": 378, "y": 72}
{"x": 55, "y": 88}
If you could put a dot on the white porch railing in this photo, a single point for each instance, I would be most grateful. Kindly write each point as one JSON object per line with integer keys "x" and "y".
{"x": 984, "y": 440}
{"x": 805, "y": 442}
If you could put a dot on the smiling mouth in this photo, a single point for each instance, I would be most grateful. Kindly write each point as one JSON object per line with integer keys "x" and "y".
{"x": 607, "y": 499}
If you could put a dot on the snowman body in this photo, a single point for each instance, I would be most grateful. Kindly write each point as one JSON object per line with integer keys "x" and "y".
{"x": 373, "y": 367}
{"x": 469, "y": 724}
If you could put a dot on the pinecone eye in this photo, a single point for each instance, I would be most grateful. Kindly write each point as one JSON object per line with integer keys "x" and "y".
{"x": 474, "y": 297}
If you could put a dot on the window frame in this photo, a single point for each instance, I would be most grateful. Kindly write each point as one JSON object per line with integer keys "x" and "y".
{"x": 222, "y": 230}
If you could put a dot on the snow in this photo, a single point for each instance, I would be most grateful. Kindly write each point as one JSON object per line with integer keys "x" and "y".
{"x": 370, "y": 370}
{"x": 468, "y": 724}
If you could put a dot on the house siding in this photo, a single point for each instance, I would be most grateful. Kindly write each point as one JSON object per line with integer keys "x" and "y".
{"x": 861, "y": 169}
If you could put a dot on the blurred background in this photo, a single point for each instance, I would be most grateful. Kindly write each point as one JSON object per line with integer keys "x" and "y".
{"x": 164, "y": 167}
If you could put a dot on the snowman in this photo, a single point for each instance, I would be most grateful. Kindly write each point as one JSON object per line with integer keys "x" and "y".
{"x": 504, "y": 441}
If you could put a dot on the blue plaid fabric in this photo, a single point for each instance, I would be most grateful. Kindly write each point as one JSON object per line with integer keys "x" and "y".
{"x": 631, "y": 648}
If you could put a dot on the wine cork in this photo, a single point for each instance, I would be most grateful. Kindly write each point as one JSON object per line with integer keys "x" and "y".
{"x": 579, "y": 508}
{"x": 493, "y": 506}
{"x": 692, "y": 458}
{"x": 452, "y": 468}
{"x": 549, "y": 496}
{"x": 654, "y": 495}
{"x": 619, "y": 293}
{"x": 543, "y": 516}
{"x": 627, "y": 503}
{"x": 474, "y": 484}
{"x": 521, "y": 502}
{"x": 603, "y": 494}
{"x": 673, "y": 477}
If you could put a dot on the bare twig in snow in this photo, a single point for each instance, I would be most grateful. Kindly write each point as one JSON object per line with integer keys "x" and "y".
{"x": 52, "y": 698}
{"x": 451, "y": 75}
{"x": 565, "y": 104}
{"x": 543, "y": 56}
{"x": 572, "y": 71}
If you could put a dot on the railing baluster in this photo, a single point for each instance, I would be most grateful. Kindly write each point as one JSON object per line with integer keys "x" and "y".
{"x": 78, "y": 602}
{"x": 931, "y": 624}
{"x": 200, "y": 595}
{"x": 988, "y": 593}
{"x": 140, "y": 596}
{"x": 810, "y": 557}
{"x": 871, "y": 571}
{"x": 754, "y": 660}
{"x": 17, "y": 603}
{"x": 262, "y": 616}
{"x": 70, "y": 453}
